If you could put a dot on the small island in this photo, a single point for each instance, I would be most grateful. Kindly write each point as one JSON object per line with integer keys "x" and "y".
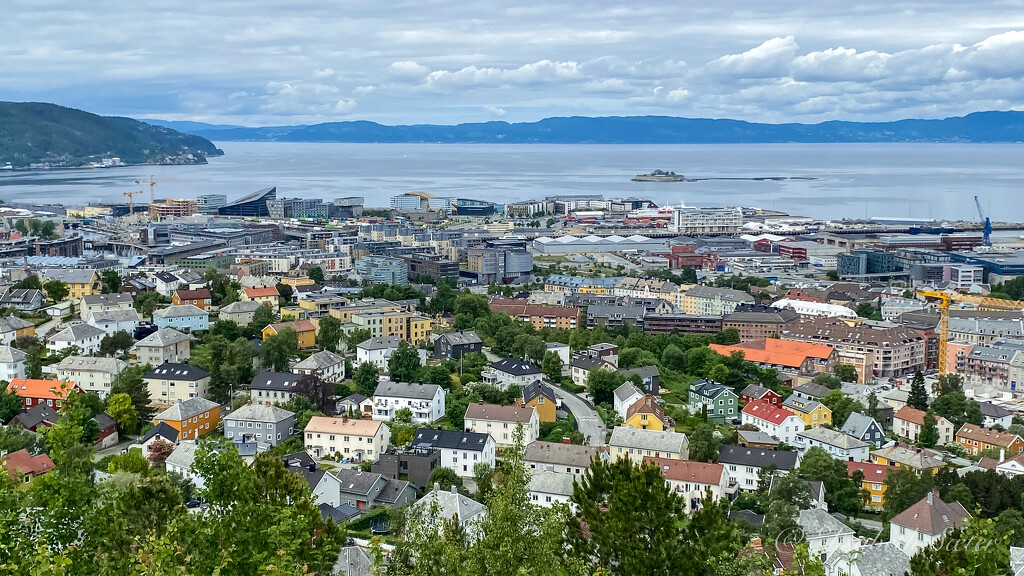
{"x": 659, "y": 176}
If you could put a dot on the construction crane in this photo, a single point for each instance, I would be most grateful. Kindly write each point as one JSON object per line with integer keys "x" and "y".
{"x": 986, "y": 237}
{"x": 945, "y": 298}
{"x": 131, "y": 201}
{"x": 152, "y": 189}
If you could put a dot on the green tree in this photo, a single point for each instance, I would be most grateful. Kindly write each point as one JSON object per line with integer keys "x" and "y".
{"x": 845, "y": 373}
{"x": 947, "y": 383}
{"x": 129, "y": 381}
{"x": 872, "y": 410}
{"x": 929, "y": 431}
{"x": 918, "y": 397}
{"x": 358, "y": 336}
{"x": 404, "y": 363}
{"x": 552, "y": 366}
{"x": 602, "y": 384}
{"x": 403, "y": 415}
{"x": 316, "y": 274}
{"x": 279, "y": 348}
{"x": 261, "y": 318}
{"x": 14, "y": 438}
{"x": 122, "y": 410}
{"x": 28, "y": 283}
{"x": 10, "y": 403}
{"x": 366, "y": 378}
{"x": 119, "y": 341}
{"x": 55, "y": 290}
{"x": 842, "y": 492}
{"x": 444, "y": 478}
{"x": 131, "y": 461}
{"x": 330, "y": 333}
{"x": 959, "y": 492}
{"x": 718, "y": 373}
{"x": 958, "y": 409}
{"x": 704, "y": 444}
{"x": 903, "y": 489}
{"x": 975, "y": 548}
{"x": 111, "y": 282}
{"x": 673, "y": 357}
{"x": 841, "y": 406}
{"x": 443, "y": 300}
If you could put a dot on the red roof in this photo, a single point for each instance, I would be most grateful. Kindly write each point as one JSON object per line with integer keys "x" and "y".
{"x": 786, "y": 353}
{"x": 688, "y": 470}
{"x": 912, "y": 415}
{"x": 521, "y": 307}
{"x": 200, "y": 294}
{"x": 765, "y": 411}
{"x": 872, "y": 472}
{"x": 262, "y": 292}
{"x": 20, "y": 462}
{"x": 45, "y": 389}
{"x": 649, "y": 405}
{"x": 297, "y": 325}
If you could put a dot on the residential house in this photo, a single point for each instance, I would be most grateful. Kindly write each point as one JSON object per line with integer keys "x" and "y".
{"x": 164, "y": 345}
{"x": 426, "y": 402}
{"x": 625, "y": 396}
{"x": 692, "y": 480}
{"x": 25, "y": 300}
{"x": 170, "y": 382}
{"x": 811, "y": 391}
{"x": 605, "y": 351}
{"x": 896, "y": 398}
{"x": 181, "y": 460}
{"x": 80, "y": 282}
{"x": 636, "y": 443}
{"x": 1010, "y": 467}
{"x": 22, "y": 467}
{"x": 512, "y": 372}
{"x": 804, "y": 358}
{"x": 880, "y": 559}
{"x": 377, "y": 351}
{"x": 273, "y": 386}
{"x": 559, "y": 348}
{"x": 711, "y": 301}
{"x": 863, "y": 427}
{"x": 354, "y": 403}
{"x": 108, "y": 431}
{"x": 774, "y": 420}
{"x": 559, "y": 317}
{"x": 611, "y": 316}
{"x": 12, "y": 363}
{"x": 200, "y": 298}
{"x": 115, "y": 321}
{"x": 897, "y": 351}
{"x": 812, "y": 412}
{"x": 413, "y": 463}
{"x": 501, "y": 422}
{"x": 449, "y": 504}
{"x": 240, "y": 312}
{"x": 754, "y": 392}
{"x": 104, "y": 303}
{"x": 744, "y": 464}
{"x": 358, "y": 488}
{"x": 162, "y": 432}
{"x": 90, "y": 373}
{"x": 549, "y": 488}
{"x": 165, "y": 283}
{"x": 650, "y": 378}
{"x": 582, "y": 366}
{"x": 356, "y": 440}
{"x": 12, "y": 328}
{"x": 907, "y": 422}
{"x": 757, "y": 322}
{"x": 36, "y": 418}
{"x": 756, "y": 439}
{"x": 541, "y": 397}
{"x": 304, "y": 329}
{"x": 839, "y": 445}
{"x": 718, "y": 401}
{"x": 328, "y": 365}
{"x": 995, "y": 415}
{"x": 571, "y": 460}
{"x": 453, "y": 345}
{"x": 647, "y": 414}
{"x": 192, "y": 418}
{"x": 33, "y": 392}
{"x": 324, "y": 486}
{"x": 263, "y": 423}
{"x": 268, "y": 296}
{"x": 87, "y": 338}
{"x": 873, "y": 482}
{"x": 460, "y": 451}
{"x": 900, "y": 455}
{"x": 923, "y": 523}
{"x": 827, "y": 537}
{"x": 974, "y": 439}
{"x": 184, "y": 317}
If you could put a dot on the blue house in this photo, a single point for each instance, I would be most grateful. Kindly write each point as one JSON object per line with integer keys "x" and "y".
{"x": 182, "y": 317}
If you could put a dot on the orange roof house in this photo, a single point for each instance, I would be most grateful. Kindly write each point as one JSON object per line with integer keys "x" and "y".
{"x": 21, "y": 466}
{"x": 303, "y": 328}
{"x": 268, "y": 296}
{"x": 804, "y": 357}
{"x": 33, "y": 392}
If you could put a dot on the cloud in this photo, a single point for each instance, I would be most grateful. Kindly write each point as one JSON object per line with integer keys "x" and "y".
{"x": 495, "y": 111}
{"x": 769, "y": 59}
{"x": 537, "y": 72}
{"x": 408, "y": 69}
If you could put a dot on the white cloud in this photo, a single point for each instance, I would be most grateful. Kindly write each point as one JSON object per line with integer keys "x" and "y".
{"x": 495, "y": 111}
{"x": 408, "y": 69}
{"x": 769, "y": 59}
{"x": 537, "y": 72}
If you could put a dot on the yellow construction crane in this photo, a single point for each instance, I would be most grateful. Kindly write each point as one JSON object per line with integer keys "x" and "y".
{"x": 945, "y": 298}
{"x": 131, "y": 201}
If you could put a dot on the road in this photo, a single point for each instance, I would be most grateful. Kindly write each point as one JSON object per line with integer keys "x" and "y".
{"x": 588, "y": 421}
{"x": 45, "y": 327}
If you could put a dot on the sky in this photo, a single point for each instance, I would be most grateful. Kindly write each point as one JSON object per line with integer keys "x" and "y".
{"x": 264, "y": 63}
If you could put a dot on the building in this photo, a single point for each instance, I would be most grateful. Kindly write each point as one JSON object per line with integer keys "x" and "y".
{"x": 994, "y": 415}
{"x": 22, "y": 467}
{"x": 453, "y": 345}
{"x": 34, "y": 392}
{"x": 172, "y": 208}
{"x": 718, "y": 401}
{"x": 907, "y": 423}
{"x": 430, "y": 266}
{"x": 86, "y": 337}
{"x": 326, "y": 364}
{"x": 899, "y": 455}
{"x": 460, "y": 451}
{"x": 839, "y": 445}
{"x": 192, "y": 418}
{"x": 356, "y": 440}
{"x": 26, "y": 300}
{"x": 681, "y": 324}
{"x": 12, "y": 363}
{"x": 254, "y": 204}
{"x": 650, "y": 378}
{"x": 184, "y": 317}
{"x": 804, "y": 358}
{"x": 115, "y": 321}
{"x": 691, "y": 481}
{"x": 570, "y": 460}
{"x": 864, "y": 427}
{"x": 541, "y": 397}
{"x": 210, "y": 203}
{"x": 301, "y": 208}
{"x": 501, "y": 422}
{"x": 812, "y": 412}
{"x": 756, "y": 322}
{"x": 896, "y": 351}
{"x": 12, "y": 328}
{"x": 164, "y": 345}
{"x": 873, "y": 482}
{"x": 240, "y": 312}
{"x": 104, "y": 303}
{"x": 91, "y": 374}
{"x": 754, "y": 392}
{"x": 694, "y": 221}
{"x": 273, "y": 386}
{"x": 267, "y": 296}
{"x": 923, "y": 523}
{"x": 647, "y": 414}
{"x": 377, "y": 351}
{"x": 512, "y": 372}
{"x": 416, "y": 464}
{"x": 774, "y": 420}
{"x": 304, "y": 330}
{"x": 426, "y": 402}
{"x": 181, "y": 460}
{"x": 263, "y": 423}
{"x": 998, "y": 365}
{"x": 975, "y": 439}
{"x": 827, "y": 537}
{"x": 636, "y": 444}
{"x": 171, "y": 382}
{"x": 449, "y": 504}
{"x": 591, "y": 244}
{"x": 861, "y": 261}
{"x": 498, "y": 265}
{"x": 711, "y": 301}
{"x": 807, "y": 308}
{"x": 558, "y": 317}
{"x": 548, "y": 488}
{"x": 756, "y": 439}
{"x": 744, "y": 464}
{"x": 382, "y": 270}
{"x": 80, "y": 282}
{"x": 199, "y": 298}
{"x": 625, "y": 396}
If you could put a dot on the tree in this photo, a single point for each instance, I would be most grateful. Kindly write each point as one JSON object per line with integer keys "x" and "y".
{"x": 10, "y": 403}
{"x": 841, "y": 406}
{"x": 404, "y": 363}
{"x": 261, "y": 318}
{"x": 918, "y": 397}
{"x": 330, "y": 333}
{"x": 366, "y": 378}
{"x": 316, "y": 274}
{"x": 602, "y": 384}
{"x": 443, "y": 300}
{"x": 279, "y": 348}
{"x": 728, "y": 337}
{"x": 122, "y": 410}
{"x": 14, "y": 438}
{"x": 718, "y": 373}
{"x": 962, "y": 494}
{"x": 975, "y": 548}
{"x": 845, "y": 373}
{"x": 129, "y": 381}
{"x": 28, "y": 283}
{"x": 131, "y": 461}
{"x": 872, "y": 411}
{"x": 842, "y": 492}
{"x": 483, "y": 477}
{"x": 55, "y": 290}
{"x": 948, "y": 383}
{"x": 552, "y": 366}
{"x": 119, "y": 341}
{"x": 929, "y": 430}
{"x": 958, "y": 409}
{"x": 444, "y": 478}
{"x": 285, "y": 291}
{"x": 704, "y": 444}
{"x": 111, "y": 282}
{"x": 673, "y": 357}
{"x": 903, "y": 489}
{"x": 358, "y": 336}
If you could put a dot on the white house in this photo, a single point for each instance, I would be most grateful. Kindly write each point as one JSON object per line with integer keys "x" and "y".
{"x": 907, "y": 422}
{"x": 358, "y": 440}
{"x": 744, "y": 464}
{"x": 162, "y": 432}
{"x": 111, "y": 321}
{"x": 90, "y": 373}
{"x": 460, "y": 451}
{"x": 501, "y": 422}
{"x": 330, "y": 366}
{"x": 378, "y": 351}
{"x": 639, "y": 443}
{"x": 561, "y": 349}
{"x": 839, "y": 445}
{"x": 12, "y": 363}
{"x": 273, "y": 386}
{"x": 691, "y": 480}
{"x": 181, "y": 461}
{"x": 826, "y": 536}
{"x": 182, "y": 317}
{"x": 995, "y": 415}
{"x": 771, "y": 419}
{"x": 104, "y": 303}
{"x": 1011, "y": 467}
{"x": 549, "y": 488}
{"x": 86, "y": 337}
{"x": 324, "y": 486}
{"x": 450, "y": 504}
{"x": 624, "y": 397}
{"x": 425, "y": 401}
{"x": 511, "y": 372}
{"x": 925, "y": 522}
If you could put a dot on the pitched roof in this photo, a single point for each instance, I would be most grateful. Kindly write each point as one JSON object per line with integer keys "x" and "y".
{"x": 77, "y": 333}
{"x": 646, "y": 405}
{"x": 993, "y": 411}
{"x": 756, "y": 457}
{"x": 816, "y": 523}
{"x": 769, "y": 412}
{"x": 788, "y": 353}
{"x": 912, "y": 415}
{"x": 183, "y": 456}
{"x": 200, "y": 294}
{"x": 9, "y": 355}
{"x": 833, "y": 438}
{"x": 756, "y": 437}
{"x": 128, "y": 315}
{"x": 688, "y": 470}
{"x": 21, "y": 462}
{"x": 627, "y": 390}
{"x": 180, "y": 372}
{"x": 163, "y": 337}
{"x": 481, "y": 411}
{"x": 21, "y": 296}
{"x": 538, "y": 388}
{"x": 516, "y": 367}
{"x": 241, "y": 307}
{"x": 97, "y": 299}
{"x": 33, "y": 417}
{"x": 91, "y": 364}
{"x": 462, "y": 338}
{"x": 407, "y": 390}
{"x": 710, "y": 389}
{"x": 917, "y": 458}
{"x": 451, "y": 504}
{"x": 259, "y": 412}
{"x": 803, "y": 405}
{"x": 653, "y": 440}
{"x": 881, "y": 559}
{"x": 179, "y": 311}
{"x": 756, "y": 392}
{"x": 641, "y": 371}
{"x": 279, "y": 381}
{"x": 355, "y": 481}
{"x": 13, "y": 323}
{"x": 875, "y": 473}
{"x": 813, "y": 390}
{"x": 333, "y": 425}
{"x": 380, "y": 343}
{"x": 575, "y": 455}
{"x": 162, "y": 429}
{"x": 319, "y": 361}
{"x": 296, "y": 325}
{"x": 262, "y": 292}
{"x": 932, "y": 516}
{"x": 450, "y": 439}
{"x": 987, "y": 435}
{"x": 68, "y": 275}
{"x": 548, "y": 482}
{"x": 48, "y": 389}
{"x": 186, "y": 409}
{"x": 857, "y": 424}
{"x": 392, "y": 490}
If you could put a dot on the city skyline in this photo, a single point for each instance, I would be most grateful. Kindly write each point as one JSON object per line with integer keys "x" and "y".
{"x": 267, "y": 64}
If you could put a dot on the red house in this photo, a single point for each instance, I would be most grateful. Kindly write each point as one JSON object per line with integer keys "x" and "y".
{"x": 33, "y": 392}
{"x": 23, "y": 467}
{"x": 754, "y": 392}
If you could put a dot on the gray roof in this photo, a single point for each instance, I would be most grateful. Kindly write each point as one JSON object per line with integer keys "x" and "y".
{"x": 589, "y": 363}
{"x": 450, "y": 439}
{"x": 754, "y": 391}
{"x": 179, "y": 311}
{"x": 32, "y": 417}
{"x": 988, "y": 326}
{"x": 115, "y": 315}
{"x": 11, "y": 355}
{"x": 91, "y": 364}
{"x": 549, "y": 482}
{"x": 655, "y": 440}
{"x": 462, "y": 338}
{"x": 241, "y": 307}
{"x": 97, "y": 299}
{"x": 163, "y": 429}
{"x": 575, "y": 455}
{"x": 451, "y": 504}
{"x": 280, "y": 381}
{"x": 380, "y": 343}
{"x": 184, "y": 455}
{"x": 816, "y": 523}
{"x": 538, "y": 388}
{"x": 723, "y": 293}
{"x": 186, "y": 409}
{"x": 21, "y": 296}
{"x": 319, "y": 361}
{"x": 641, "y": 371}
{"x": 12, "y": 323}
{"x": 628, "y": 389}
{"x": 77, "y": 333}
{"x": 355, "y": 481}
{"x": 68, "y": 275}
{"x": 1016, "y": 560}
{"x": 257, "y": 412}
{"x": 163, "y": 337}
{"x": 756, "y": 437}
{"x": 833, "y": 438}
{"x": 992, "y": 411}
{"x": 392, "y": 491}
{"x": 756, "y": 457}
{"x": 710, "y": 389}
{"x": 352, "y": 560}
{"x": 801, "y": 404}
{"x": 180, "y": 372}
{"x": 406, "y": 390}
{"x": 601, "y": 311}
{"x": 516, "y": 367}
{"x": 882, "y": 559}
{"x": 813, "y": 390}
{"x": 857, "y": 424}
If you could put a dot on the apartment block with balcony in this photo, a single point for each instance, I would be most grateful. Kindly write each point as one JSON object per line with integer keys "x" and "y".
{"x": 425, "y": 401}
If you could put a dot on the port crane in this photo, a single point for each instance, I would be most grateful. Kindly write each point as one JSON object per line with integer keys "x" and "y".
{"x": 131, "y": 201}
{"x": 986, "y": 237}
{"x": 946, "y": 297}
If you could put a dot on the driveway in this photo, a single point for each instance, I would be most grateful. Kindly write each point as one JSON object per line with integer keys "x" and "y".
{"x": 588, "y": 421}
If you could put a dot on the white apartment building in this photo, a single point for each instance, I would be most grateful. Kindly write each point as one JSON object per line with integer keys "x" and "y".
{"x": 425, "y": 401}
{"x": 91, "y": 374}
{"x": 460, "y": 451}
{"x": 358, "y": 440}
{"x": 501, "y": 422}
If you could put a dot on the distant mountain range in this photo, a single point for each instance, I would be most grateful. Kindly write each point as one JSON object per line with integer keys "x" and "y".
{"x": 40, "y": 133}
{"x": 976, "y": 127}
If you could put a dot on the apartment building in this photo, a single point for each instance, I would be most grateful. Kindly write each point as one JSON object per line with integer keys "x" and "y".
{"x": 896, "y": 351}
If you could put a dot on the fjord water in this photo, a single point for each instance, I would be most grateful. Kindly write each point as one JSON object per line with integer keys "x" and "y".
{"x": 847, "y": 180}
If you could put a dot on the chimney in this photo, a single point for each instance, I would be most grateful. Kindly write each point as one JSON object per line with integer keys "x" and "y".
{"x": 312, "y": 466}
{"x": 267, "y": 403}
{"x": 455, "y": 490}
{"x": 566, "y": 440}
{"x": 437, "y": 486}
{"x": 1002, "y": 454}
{"x": 929, "y": 498}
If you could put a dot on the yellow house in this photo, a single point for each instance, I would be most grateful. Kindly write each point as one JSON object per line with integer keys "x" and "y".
{"x": 901, "y": 455}
{"x": 812, "y": 412}
{"x": 647, "y": 414}
{"x": 294, "y": 281}
{"x": 80, "y": 283}
{"x": 542, "y": 398}
{"x": 12, "y": 328}
{"x": 305, "y": 330}
{"x": 268, "y": 296}
{"x": 873, "y": 483}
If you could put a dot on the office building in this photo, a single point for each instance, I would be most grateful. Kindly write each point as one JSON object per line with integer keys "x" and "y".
{"x": 382, "y": 270}
{"x": 210, "y": 203}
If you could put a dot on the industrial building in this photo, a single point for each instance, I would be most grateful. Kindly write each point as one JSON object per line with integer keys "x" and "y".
{"x": 596, "y": 244}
